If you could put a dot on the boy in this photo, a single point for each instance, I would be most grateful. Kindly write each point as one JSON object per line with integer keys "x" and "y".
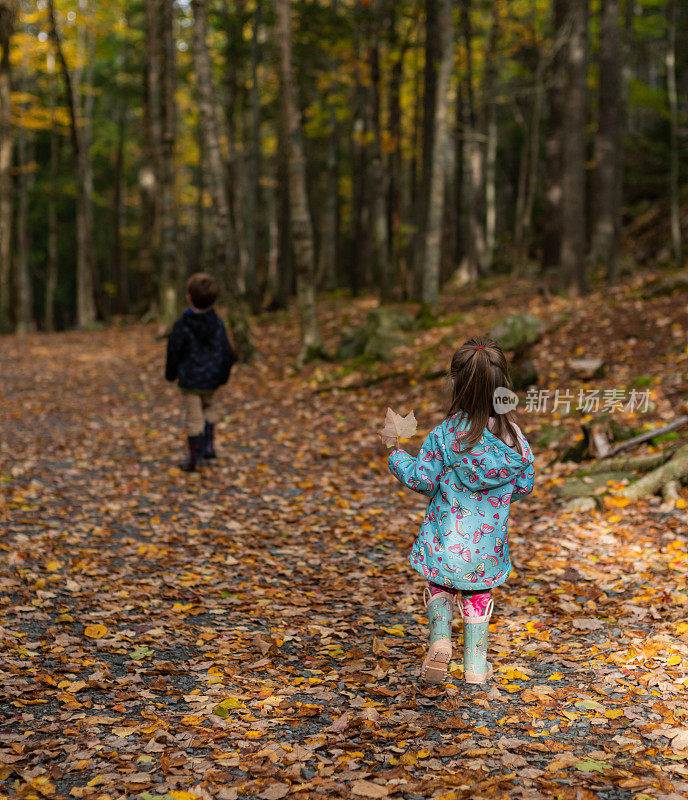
{"x": 200, "y": 356}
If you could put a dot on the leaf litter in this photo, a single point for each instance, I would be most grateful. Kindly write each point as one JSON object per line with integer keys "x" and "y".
{"x": 254, "y": 631}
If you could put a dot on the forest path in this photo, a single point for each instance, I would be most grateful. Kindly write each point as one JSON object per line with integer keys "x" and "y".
{"x": 255, "y": 630}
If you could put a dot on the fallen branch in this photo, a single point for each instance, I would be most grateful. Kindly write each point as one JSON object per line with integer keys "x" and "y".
{"x": 644, "y": 437}
{"x": 628, "y": 463}
{"x": 674, "y": 469}
{"x": 372, "y": 381}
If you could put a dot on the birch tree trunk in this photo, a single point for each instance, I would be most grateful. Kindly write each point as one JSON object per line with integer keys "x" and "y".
{"x": 225, "y": 250}
{"x": 8, "y": 14}
{"x": 169, "y": 266}
{"x": 676, "y": 243}
{"x": 436, "y": 199}
{"x": 608, "y": 143}
{"x": 301, "y": 226}
{"x": 86, "y": 309}
{"x": 572, "y": 274}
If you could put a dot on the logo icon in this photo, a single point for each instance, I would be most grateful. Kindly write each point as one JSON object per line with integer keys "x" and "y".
{"x": 504, "y": 400}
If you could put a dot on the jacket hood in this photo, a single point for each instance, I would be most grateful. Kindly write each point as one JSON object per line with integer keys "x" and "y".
{"x": 201, "y": 324}
{"x": 490, "y": 463}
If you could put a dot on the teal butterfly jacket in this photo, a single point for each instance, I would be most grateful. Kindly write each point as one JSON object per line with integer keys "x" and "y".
{"x": 464, "y": 539}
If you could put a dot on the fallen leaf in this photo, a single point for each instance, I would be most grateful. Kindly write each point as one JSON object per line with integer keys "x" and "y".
{"x": 397, "y": 427}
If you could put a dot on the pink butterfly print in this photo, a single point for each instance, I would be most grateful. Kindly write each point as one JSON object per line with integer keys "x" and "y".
{"x": 459, "y": 550}
{"x": 483, "y": 530}
{"x": 504, "y": 500}
{"x": 497, "y": 473}
{"x": 476, "y": 495}
{"x": 478, "y": 572}
{"x": 433, "y": 455}
{"x": 457, "y": 508}
{"x": 430, "y": 516}
{"x": 499, "y": 548}
{"x": 494, "y": 578}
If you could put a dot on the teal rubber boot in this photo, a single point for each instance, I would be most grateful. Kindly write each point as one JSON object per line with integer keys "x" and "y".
{"x": 476, "y": 667}
{"x": 440, "y": 611}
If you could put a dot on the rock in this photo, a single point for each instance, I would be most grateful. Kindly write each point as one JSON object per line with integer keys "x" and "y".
{"x": 667, "y": 286}
{"x": 587, "y": 368}
{"x": 517, "y": 333}
{"x": 523, "y": 373}
{"x": 377, "y": 337}
{"x": 590, "y": 485}
{"x": 581, "y": 504}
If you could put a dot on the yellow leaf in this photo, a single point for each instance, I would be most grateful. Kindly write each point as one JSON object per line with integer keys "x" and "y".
{"x": 616, "y": 501}
{"x": 674, "y": 661}
{"x": 254, "y": 734}
{"x": 682, "y": 627}
{"x": 512, "y": 687}
{"x": 680, "y": 503}
{"x": 396, "y": 631}
{"x": 52, "y": 566}
{"x": 192, "y": 719}
{"x": 555, "y": 676}
{"x": 614, "y": 713}
{"x": 572, "y": 715}
{"x": 180, "y": 795}
{"x": 95, "y": 631}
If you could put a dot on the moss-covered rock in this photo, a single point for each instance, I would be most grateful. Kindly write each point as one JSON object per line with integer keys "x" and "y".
{"x": 517, "y": 332}
{"x": 382, "y": 331}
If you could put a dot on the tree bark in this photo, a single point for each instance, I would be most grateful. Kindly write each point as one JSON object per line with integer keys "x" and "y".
{"x": 224, "y": 244}
{"x": 86, "y": 309}
{"x": 379, "y": 179}
{"x": 605, "y": 238}
{"x": 301, "y": 226}
{"x": 169, "y": 266}
{"x": 676, "y": 242}
{"x": 436, "y": 197}
{"x": 8, "y": 14}
{"x": 572, "y": 275}
{"x": 119, "y": 267}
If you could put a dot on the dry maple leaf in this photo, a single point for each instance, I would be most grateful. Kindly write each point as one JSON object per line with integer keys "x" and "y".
{"x": 398, "y": 427}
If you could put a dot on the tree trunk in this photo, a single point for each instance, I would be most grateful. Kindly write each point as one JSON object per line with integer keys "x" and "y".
{"x": 23, "y": 250}
{"x": 225, "y": 253}
{"x": 253, "y": 194}
{"x": 149, "y": 173}
{"x": 169, "y": 267}
{"x": 394, "y": 187}
{"x": 301, "y": 226}
{"x": 8, "y": 14}
{"x": 554, "y": 144}
{"x": 52, "y": 267}
{"x": 433, "y": 55}
{"x": 86, "y": 309}
{"x": 676, "y": 243}
{"x": 436, "y": 196}
{"x": 379, "y": 180}
{"x": 572, "y": 273}
{"x": 474, "y": 180}
{"x": 327, "y": 257}
{"x": 119, "y": 268}
{"x": 608, "y": 143}
{"x": 489, "y": 136}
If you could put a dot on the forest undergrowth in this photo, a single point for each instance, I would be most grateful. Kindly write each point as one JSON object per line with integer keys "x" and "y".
{"x": 255, "y": 630}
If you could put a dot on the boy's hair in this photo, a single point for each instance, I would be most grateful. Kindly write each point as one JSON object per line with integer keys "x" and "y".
{"x": 203, "y": 290}
{"x": 477, "y": 368}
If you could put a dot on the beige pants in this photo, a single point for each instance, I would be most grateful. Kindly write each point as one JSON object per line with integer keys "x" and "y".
{"x": 199, "y": 406}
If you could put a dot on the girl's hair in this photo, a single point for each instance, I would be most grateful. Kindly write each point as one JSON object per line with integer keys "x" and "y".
{"x": 477, "y": 368}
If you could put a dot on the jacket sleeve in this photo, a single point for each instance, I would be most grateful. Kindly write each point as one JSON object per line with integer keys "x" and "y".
{"x": 228, "y": 357}
{"x": 174, "y": 347}
{"x": 422, "y": 474}
{"x": 525, "y": 480}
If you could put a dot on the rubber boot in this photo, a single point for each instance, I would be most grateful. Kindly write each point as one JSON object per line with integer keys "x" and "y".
{"x": 436, "y": 663}
{"x": 209, "y": 442}
{"x": 476, "y": 667}
{"x": 195, "y": 458}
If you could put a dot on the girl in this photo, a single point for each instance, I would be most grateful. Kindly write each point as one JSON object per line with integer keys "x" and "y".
{"x": 471, "y": 467}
